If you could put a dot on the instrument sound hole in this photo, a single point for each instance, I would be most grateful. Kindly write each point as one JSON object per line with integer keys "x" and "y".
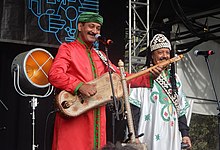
{"x": 65, "y": 104}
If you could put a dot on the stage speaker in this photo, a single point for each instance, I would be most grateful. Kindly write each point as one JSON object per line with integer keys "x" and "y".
{"x": 31, "y": 69}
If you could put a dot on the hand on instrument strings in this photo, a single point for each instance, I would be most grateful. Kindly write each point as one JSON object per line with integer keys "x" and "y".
{"x": 88, "y": 89}
{"x": 156, "y": 71}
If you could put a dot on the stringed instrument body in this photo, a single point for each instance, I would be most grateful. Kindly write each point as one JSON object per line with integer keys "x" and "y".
{"x": 74, "y": 105}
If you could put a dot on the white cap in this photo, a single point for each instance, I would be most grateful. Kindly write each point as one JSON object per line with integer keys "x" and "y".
{"x": 159, "y": 41}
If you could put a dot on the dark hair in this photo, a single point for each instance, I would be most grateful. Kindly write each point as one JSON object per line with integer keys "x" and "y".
{"x": 148, "y": 58}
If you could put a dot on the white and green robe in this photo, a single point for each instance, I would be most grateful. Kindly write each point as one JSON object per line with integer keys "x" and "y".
{"x": 158, "y": 115}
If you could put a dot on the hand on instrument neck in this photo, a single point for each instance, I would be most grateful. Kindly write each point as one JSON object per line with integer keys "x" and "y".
{"x": 156, "y": 71}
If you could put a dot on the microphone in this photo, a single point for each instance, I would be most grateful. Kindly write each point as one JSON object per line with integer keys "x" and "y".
{"x": 203, "y": 53}
{"x": 103, "y": 40}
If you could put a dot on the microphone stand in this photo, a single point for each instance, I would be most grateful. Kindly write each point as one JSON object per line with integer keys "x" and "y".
{"x": 218, "y": 103}
{"x": 6, "y": 108}
{"x": 113, "y": 96}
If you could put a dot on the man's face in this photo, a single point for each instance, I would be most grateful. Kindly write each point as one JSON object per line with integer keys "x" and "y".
{"x": 87, "y": 31}
{"x": 160, "y": 55}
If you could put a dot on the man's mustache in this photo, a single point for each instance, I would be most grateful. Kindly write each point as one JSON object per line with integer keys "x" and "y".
{"x": 91, "y": 33}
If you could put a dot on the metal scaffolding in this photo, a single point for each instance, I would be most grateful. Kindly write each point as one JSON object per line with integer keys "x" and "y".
{"x": 137, "y": 34}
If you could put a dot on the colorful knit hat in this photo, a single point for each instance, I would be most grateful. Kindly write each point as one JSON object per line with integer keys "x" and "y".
{"x": 159, "y": 41}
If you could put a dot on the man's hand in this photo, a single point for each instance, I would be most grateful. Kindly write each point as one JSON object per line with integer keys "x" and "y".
{"x": 156, "y": 71}
{"x": 88, "y": 90}
{"x": 187, "y": 140}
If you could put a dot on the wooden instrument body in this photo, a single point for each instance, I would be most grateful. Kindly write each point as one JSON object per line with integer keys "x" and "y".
{"x": 77, "y": 104}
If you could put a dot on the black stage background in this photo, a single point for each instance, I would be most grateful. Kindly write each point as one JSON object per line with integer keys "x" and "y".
{"x": 16, "y": 122}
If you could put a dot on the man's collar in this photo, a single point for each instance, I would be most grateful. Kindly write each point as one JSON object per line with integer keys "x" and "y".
{"x": 82, "y": 42}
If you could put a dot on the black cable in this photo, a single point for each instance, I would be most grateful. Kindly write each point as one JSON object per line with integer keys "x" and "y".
{"x": 156, "y": 13}
{"x": 172, "y": 74}
{"x": 46, "y": 124}
{"x": 185, "y": 20}
{"x": 183, "y": 17}
{"x": 204, "y": 36}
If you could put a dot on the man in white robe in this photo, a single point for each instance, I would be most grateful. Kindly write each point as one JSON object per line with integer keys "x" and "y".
{"x": 160, "y": 115}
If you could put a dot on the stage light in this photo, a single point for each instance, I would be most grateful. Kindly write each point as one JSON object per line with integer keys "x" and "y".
{"x": 30, "y": 70}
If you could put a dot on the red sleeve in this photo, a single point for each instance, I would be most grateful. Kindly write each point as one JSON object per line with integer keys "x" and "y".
{"x": 59, "y": 75}
{"x": 141, "y": 81}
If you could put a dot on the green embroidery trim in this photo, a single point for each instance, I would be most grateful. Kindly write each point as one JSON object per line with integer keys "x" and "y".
{"x": 162, "y": 114}
{"x": 77, "y": 88}
{"x": 93, "y": 65}
{"x": 97, "y": 110}
{"x": 164, "y": 100}
{"x": 147, "y": 117}
{"x": 81, "y": 41}
{"x": 184, "y": 110}
{"x": 97, "y": 128}
{"x": 90, "y": 58}
{"x": 135, "y": 102}
{"x": 151, "y": 80}
{"x": 152, "y": 96}
{"x": 157, "y": 137}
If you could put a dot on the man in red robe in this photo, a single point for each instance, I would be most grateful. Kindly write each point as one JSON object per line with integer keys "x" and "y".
{"x": 75, "y": 64}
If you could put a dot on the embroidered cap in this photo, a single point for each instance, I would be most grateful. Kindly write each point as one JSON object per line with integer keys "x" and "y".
{"x": 90, "y": 17}
{"x": 159, "y": 41}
